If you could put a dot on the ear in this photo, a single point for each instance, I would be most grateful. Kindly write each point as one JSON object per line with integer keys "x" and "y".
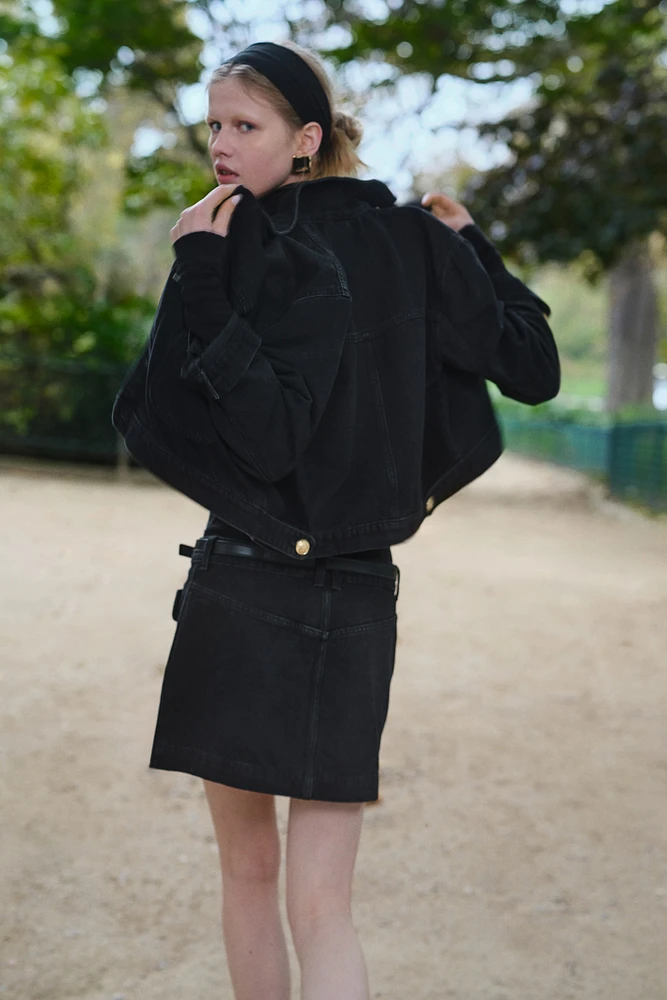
{"x": 309, "y": 140}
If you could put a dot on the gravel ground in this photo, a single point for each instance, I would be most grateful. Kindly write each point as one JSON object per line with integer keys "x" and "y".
{"x": 519, "y": 850}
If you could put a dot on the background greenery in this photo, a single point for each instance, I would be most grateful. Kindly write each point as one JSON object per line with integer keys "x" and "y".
{"x": 84, "y": 221}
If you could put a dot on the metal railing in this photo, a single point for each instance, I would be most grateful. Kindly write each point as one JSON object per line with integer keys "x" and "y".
{"x": 53, "y": 408}
{"x": 630, "y": 457}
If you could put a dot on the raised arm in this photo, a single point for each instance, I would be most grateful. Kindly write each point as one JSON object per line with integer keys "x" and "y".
{"x": 269, "y": 374}
{"x": 489, "y": 321}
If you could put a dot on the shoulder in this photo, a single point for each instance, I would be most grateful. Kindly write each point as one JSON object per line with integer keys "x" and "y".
{"x": 441, "y": 243}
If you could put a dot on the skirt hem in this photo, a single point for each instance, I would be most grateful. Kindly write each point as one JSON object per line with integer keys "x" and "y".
{"x": 249, "y": 777}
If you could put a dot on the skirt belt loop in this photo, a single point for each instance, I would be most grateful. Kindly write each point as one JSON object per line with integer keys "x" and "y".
{"x": 320, "y": 572}
{"x": 205, "y": 549}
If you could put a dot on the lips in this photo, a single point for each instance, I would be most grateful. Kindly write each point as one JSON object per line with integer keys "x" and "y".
{"x": 226, "y": 175}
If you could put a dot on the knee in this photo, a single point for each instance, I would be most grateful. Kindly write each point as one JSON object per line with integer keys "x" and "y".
{"x": 310, "y": 908}
{"x": 257, "y": 860}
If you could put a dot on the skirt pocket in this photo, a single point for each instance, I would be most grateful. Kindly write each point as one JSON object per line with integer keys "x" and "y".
{"x": 237, "y": 684}
{"x": 177, "y": 604}
{"x": 354, "y": 699}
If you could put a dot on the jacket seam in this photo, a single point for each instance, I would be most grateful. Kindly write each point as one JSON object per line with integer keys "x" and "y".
{"x": 390, "y": 463}
{"x": 328, "y": 252}
{"x": 390, "y": 324}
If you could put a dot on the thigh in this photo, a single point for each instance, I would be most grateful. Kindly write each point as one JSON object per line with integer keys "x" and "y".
{"x": 246, "y": 830}
{"x": 322, "y": 843}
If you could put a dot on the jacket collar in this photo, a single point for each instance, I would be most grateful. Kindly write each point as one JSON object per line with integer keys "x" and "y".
{"x": 257, "y": 221}
{"x": 320, "y": 198}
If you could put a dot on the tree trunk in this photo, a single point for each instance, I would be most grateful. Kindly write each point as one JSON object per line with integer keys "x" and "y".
{"x": 633, "y": 329}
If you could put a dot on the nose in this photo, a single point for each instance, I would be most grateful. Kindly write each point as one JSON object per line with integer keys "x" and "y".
{"x": 222, "y": 143}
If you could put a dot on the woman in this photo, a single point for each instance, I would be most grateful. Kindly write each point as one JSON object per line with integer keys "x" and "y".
{"x": 315, "y": 377}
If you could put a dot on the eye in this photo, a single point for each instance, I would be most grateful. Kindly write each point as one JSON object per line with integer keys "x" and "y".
{"x": 211, "y": 124}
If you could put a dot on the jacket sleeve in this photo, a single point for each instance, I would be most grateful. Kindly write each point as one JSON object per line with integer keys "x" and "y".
{"x": 489, "y": 322}
{"x": 266, "y": 393}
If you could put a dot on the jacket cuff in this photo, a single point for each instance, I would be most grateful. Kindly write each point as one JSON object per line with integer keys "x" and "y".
{"x": 486, "y": 251}
{"x": 201, "y": 247}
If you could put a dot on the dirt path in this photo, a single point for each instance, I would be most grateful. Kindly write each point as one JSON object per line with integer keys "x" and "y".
{"x": 520, "y": 850}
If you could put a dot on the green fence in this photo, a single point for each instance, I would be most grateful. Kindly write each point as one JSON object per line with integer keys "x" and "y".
{"x": 631, "y": 457}
{"x": 638, "y": 463}
{"x": 59, "y": 409}
{"x": 574, "y": 445}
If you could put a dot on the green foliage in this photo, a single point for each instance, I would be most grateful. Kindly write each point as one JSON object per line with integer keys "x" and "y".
{"x": 146, "y": 48}
{"x": 48, "y": 285}
{"x": 43, "y": 128}
{"x": 455, "y": 38}
{"x": 587, "y": 175}
{"x": 164, "y": 181}
{"x": 578, "y": 313}
{"x": 56, "y": 407}
{"x": 73, "y": 327}
{"x": 163, "y": 48}
{"x": 51, "y": 312}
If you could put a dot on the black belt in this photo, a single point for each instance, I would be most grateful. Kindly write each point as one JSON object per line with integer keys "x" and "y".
{"x": 224, "y": 546}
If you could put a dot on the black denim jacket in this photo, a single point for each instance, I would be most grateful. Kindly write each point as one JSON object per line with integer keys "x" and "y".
{"x": 316, "y": 378}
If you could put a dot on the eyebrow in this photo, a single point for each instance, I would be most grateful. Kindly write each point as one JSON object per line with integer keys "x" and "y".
{"x": 249, "y": 117}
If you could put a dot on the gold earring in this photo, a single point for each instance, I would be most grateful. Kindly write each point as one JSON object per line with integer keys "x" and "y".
{"x": 301, "y": 164}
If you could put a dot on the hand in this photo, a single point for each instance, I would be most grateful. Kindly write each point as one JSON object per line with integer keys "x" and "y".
{"x": 447, "y": 210}
{"x": 210, "y": 215}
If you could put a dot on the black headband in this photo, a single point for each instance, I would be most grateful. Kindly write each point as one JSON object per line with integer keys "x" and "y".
{"x": 294, "y": 79}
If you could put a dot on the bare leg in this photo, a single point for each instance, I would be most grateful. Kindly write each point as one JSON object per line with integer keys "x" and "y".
{"x": 322, "y": 843}
{"x": 249, "y": 845}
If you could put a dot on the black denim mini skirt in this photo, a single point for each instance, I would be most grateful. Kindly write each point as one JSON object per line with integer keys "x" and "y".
{"x": 279, "y": 673}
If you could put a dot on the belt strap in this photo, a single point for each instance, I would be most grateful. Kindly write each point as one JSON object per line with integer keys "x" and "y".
{"x": 228, "y": 547}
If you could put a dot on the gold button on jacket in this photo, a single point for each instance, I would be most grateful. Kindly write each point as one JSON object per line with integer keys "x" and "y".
{"x": 430, "y": 504}
{"x": 302, "y": 547}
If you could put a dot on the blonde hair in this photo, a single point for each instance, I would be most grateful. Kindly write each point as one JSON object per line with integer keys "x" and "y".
{"x": 340, "y": 159}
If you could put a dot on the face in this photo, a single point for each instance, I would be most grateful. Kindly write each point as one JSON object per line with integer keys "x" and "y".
{"x": 248, "y": 137}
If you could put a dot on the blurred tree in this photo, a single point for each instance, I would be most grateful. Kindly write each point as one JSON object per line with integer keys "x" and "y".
{"x": 50, "y": 298}
{"x": 54, "y": 311}
{"x": 587, "y": 181}
{"x": 463, "y": 38}
{"x": 148, "y": 50}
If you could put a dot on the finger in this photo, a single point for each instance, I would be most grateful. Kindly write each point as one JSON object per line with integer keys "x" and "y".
{"x": 231, "y": 201}
{"x": 434, "y": 197}
{"x": 223, "y": 212}
{"x": 441, "y": 211}
{"x": 210, "y": 201}
{"x": 234, "y": 199}
{"x": 218, "y": 194}
{"x": 441, "y": 200}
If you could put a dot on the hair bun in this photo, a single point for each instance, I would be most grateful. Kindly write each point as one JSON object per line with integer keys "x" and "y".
{"x": 350, "y": 125}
